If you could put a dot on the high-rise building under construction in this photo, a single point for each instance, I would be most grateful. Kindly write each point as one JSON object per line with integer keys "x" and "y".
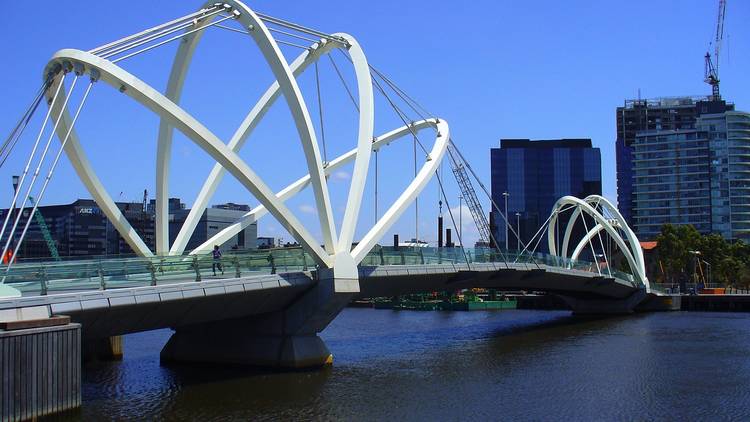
{"x": 684, "y": 160}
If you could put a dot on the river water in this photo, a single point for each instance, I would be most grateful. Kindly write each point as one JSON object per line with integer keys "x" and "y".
{"x": 502, "y": 365}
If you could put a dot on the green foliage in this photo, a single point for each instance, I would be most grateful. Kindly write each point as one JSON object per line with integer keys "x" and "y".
{"x": 679, "y": 246}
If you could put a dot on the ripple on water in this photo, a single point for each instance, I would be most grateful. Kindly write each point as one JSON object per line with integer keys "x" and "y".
{"x": 512, "y": 365}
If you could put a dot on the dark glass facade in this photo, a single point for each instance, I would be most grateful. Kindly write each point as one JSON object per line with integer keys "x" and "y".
{"x": 82, "y": 229}
{"x": 535, "y": 174}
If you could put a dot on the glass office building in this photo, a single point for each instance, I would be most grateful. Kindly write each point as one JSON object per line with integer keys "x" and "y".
{"x": 82, "y": 229}
{"x": 535, "y": 174}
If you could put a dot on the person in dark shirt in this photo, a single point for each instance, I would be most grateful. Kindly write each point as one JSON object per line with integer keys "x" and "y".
{"x": 217, "y": 260}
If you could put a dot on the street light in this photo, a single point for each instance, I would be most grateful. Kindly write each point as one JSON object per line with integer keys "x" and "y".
{"x": 518, "y": 231}
{"x": 708, "y": 272}
{"x": 505, "y": 195}
{"x": 696, "y": 263}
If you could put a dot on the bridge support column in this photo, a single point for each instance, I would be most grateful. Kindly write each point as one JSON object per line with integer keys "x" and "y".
{"x": 597, "y": 306}
{"x": 283, "y": 339}
{"x": 103, "y": 349}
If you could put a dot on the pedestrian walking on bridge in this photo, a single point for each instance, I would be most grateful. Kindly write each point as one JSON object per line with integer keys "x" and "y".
{"x": 217, "y": 260}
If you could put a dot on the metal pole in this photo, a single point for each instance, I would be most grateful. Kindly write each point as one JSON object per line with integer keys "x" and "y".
{"x": 505, "y": 195}
{"x": 518, "y": 231}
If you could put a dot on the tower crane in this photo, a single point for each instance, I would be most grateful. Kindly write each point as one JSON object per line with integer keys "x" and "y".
{"x": 712, "y": 67}
{"x": 458, "y": 166}
{"x": 45, "y": 232}
{"x": 42, "y": 226}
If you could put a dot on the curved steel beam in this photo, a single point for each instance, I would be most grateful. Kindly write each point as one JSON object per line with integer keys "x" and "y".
{"x": 200, "y": 135}
{"x": 302, "y": 121}
{"x": 81, "y": 164}
{"x": 337, "y": 252}
{"x": 365, "y": 141}
{"x": 408, "y": 196}
{"x": 164, "y": 144}
{"x": 300, "y": 64}
{"x": 632, "y": 251}
{"x": 586, "y": 239}
{"x": 256, "y": 213}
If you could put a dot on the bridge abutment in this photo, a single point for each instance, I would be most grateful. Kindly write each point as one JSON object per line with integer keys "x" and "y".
{"x": 287, "y": 338}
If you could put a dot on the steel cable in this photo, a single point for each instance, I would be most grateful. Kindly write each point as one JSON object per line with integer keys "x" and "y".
{"x": 38, "y": 168}
{"x": 31, "y": 157}
{"x": 49, "y": 175}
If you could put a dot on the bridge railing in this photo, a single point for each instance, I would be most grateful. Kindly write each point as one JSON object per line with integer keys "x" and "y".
{"x": 118, "y": 272}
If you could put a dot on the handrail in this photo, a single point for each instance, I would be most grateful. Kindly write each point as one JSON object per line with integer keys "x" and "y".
{"x": 118, "y": 272}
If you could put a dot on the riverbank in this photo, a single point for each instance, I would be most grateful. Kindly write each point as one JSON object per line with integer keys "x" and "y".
{"x": 695, "y": 303}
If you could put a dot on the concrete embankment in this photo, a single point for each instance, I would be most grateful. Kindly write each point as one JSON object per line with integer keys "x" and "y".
{"x": 703, "y": 302}
{"x": 714, "y": 303}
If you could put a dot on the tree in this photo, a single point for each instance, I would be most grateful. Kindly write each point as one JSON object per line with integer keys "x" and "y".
{"x": 681, "y": 248}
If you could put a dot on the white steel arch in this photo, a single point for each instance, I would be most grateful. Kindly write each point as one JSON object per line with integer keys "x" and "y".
{"x": 290, "y": 90}
{"x": 630, "y": 246}
{"x": 256, "y": 213}
{"x": 256, "y": 114}
{"x": 336, "y": 252}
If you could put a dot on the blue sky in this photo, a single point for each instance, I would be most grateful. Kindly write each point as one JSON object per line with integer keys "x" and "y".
{"x": 492, "y": 69}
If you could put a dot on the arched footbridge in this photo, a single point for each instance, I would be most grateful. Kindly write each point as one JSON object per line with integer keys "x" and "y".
{"x": 268, "y": 307}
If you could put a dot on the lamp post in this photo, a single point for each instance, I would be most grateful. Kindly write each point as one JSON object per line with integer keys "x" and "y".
{"x": 505, "y": 195}
{"x": 518, "y": 232}
{"x": 696, "y": 263}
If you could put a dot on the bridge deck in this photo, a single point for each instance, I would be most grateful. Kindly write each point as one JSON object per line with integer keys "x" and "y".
{"x": 181, "y": 302}
{"x": 118, "y": 296}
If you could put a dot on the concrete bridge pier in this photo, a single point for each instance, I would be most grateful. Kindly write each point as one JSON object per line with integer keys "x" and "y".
{"x": 604, "y": 306}
{"x": 103, "y": 349}
{"x": 287, "y": 338}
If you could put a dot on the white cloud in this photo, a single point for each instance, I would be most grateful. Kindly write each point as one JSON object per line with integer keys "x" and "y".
{"x": 307, "y": 209}
{"x": 341, "y": 175}
{"x": 463, "y": 217}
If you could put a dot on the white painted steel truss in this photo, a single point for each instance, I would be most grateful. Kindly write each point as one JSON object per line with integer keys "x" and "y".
{"x": 337, "y": 251}
{"x": 615, "y": 227}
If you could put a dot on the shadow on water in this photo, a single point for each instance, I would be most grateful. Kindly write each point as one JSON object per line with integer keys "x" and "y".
{"x": 573, "y": 322}
{"x": 141, "y": 387}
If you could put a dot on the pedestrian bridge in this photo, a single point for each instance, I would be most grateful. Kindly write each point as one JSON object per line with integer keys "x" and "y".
{"x": 268, "y": 306}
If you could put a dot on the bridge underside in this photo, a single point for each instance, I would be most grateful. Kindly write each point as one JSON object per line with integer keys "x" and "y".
{"x": 388, "y": 281}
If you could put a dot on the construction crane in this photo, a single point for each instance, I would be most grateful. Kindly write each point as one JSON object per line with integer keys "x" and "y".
{"x": 45, "y": 232}
{"x": 42, "y": 225}
{"x": 458, "y": 166}
{"x": 712, "y": 67}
